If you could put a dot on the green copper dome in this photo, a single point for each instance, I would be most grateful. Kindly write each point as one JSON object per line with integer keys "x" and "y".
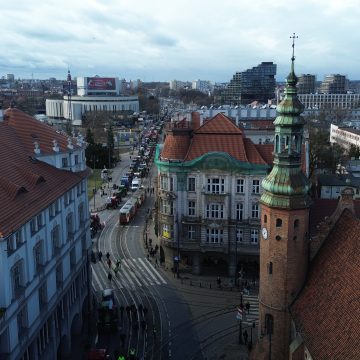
{"x": 287, "y": 186}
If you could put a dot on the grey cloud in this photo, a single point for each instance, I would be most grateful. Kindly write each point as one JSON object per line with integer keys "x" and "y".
{"x": 163, "y": 40}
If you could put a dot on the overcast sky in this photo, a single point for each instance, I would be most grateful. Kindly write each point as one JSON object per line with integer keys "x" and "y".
{"x": 162, "y": 40}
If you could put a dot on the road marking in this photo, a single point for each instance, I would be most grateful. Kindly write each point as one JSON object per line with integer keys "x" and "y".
{"x": 144, "y": 274}
{"x": 153, "y": 269}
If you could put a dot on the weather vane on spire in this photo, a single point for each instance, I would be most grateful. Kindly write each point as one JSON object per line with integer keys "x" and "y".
{"x": 293, "y": 37}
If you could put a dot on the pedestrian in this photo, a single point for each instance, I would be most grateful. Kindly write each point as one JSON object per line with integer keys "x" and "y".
{"x": 100, "y": 255}
{"x": 116, "y": 271}
{"x": 118, "y": 263}
{"x": 122, "y": 311}
{"x": 247, "y": 305}
{"x": 156, "y": 262}
{"x": 218, "y": 281}
{"x": 246, "y": 335}
{"x": 108, "y": 255}
{"x": 128, "y": 311}
{"x": 109, "y": 263}
{"x": 109, "y": 276}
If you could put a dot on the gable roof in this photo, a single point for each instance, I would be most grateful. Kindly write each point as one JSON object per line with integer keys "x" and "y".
{"x": 327, "y": 311}
{"x": 28, "y": 185}
{"x": 30, "y": 130}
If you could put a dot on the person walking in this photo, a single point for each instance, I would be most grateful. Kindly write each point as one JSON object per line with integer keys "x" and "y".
{"x": 109, "y": 276}
{"x": 100, "y": 255}
{"x": 247, "y": 306}
{"x": 109, "y": 263}
{"x": 246, "y": 335}
{"x": 108, "y": 255}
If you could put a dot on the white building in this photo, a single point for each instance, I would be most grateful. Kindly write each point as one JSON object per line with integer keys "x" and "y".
{"x": 202, "y": 85}
{"x": 93, "y": 94}
{"x": 330, "y": 101}
{"x": 344, "y": 136}
{"x": 44, "y": 239}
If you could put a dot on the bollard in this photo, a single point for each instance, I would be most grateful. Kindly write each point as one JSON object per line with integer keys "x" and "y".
{"x": 210, "y": 286}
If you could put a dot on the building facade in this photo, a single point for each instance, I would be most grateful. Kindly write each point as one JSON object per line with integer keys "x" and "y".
{"x": 44, "y": 239}
{"x": 334, "y": 84}
{"x": 257, "y": 83}
{"x": 306, "y": 84}
{"x": 344, "y": 136}
{"x": 330, "y": 101}
{"x": 209, "y": 180}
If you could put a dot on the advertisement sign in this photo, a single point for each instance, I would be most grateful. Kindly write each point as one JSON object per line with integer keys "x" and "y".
{"x": 97, "y": 83}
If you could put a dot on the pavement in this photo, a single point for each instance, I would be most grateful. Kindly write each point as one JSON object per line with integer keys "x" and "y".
{"x": 227, "y": 348}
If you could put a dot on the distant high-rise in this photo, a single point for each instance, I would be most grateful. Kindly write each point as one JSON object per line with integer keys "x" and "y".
{"x": 253, "y": 84}
{"x": 306, "y": 84}
{"x": 334, "y": 84}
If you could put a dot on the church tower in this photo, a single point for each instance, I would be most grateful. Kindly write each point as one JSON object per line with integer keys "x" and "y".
{"x": 284, "y": 226}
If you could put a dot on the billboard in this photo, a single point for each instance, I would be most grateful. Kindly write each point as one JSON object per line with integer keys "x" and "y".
{"x": 98, "y": 83}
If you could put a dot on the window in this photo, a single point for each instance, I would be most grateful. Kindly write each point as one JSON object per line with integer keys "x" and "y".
{"x": 191, "y": 232}
{"x": 69, "y": 227}
{"x": 256, "y": 186}
{"x": 239, "y": 211}
{"x": 66, "y": 199}
{"x": 81, "y": 213}
{"x": 240, "y": 186}
{"x": 72, "y": 258}
{"x": 265, "y": 219}
{"x": 76, "y": 159}
{"x": 270, "y": 268}
{"x": 171, "y": 181}
{"x": 215, "y": 211}
{"x": 296, "y": 223}
{"x": 52, "y": 210}
{"x": 191, "y": 184}
{"x": 214, "y": 236}
{"x": 239, "y": 235}
{"x": 59, "y": 275}
{"x": 38, "y": 256}
{"x": 166, "y": 207}
{"x": 191, "y": 208}
{"x": 55, "y": 239}
{"x": 255, "y": 211}
{"x": 254, "y": 236}
{"x": 42, "y": 295}
{"x": 269, "y": 324}
{"x": 64, "y": 162}
{"x": 17, "y": 277}
{"x": 164, "y": 182}
{"x": 216, "y": 185}
{"x": 278, "y": 222}
{"x": 22, "y": 321}
{"x": 33, "y": 226}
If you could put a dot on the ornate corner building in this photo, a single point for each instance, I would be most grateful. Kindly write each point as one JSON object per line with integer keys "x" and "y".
{"x": 209, "y": 188}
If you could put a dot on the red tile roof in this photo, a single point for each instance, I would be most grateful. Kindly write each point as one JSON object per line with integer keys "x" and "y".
{"x": 327, "y": 311}
{"x": 27, "y": 185}
{"x": 175, "y": 146}
{"x": 221, "y": 134}
{"x": 30, "y": 130}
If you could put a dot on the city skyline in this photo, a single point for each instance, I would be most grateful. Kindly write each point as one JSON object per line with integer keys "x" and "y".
{"x": 184, "y": 41}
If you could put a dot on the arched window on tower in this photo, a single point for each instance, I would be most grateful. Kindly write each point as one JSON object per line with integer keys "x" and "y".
{"x": 269, "y": 324}
{"x": 277, "y": 144}
{"x": 278, "y": 222}
{"x": 270, "y": 268}
{"x": 265, "y": 219}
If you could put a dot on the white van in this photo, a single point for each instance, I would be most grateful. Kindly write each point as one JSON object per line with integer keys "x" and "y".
{"x": 135, "y": 184}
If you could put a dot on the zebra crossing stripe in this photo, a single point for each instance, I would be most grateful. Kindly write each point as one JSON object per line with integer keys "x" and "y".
{"x": 143, "y": 273}
{"x": 153, "y": 270}
{"x": 129, "y": 273}
{"x": 146, "y": 271}
{"x": 96, "y": 278}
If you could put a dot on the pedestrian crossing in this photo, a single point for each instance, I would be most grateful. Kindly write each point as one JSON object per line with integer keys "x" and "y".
{"x": 133, "y": 273}
{"x": 253, "y": 314}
